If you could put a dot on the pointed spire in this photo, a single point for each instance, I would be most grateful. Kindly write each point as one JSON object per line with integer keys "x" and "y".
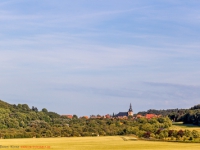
{"x": 130, "y": 109}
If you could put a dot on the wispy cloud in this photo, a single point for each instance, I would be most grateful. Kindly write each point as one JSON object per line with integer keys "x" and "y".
{"x": 145, "y": 52}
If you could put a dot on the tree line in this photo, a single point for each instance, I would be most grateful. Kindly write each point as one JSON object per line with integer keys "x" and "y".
{"x": 21, "y": 121}
{"x": 187, "y": 116}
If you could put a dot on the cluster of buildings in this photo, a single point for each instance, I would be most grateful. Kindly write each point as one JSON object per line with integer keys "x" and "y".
{"x": 92, "y": 116}
{"x": 129, "y": 113}
{"x": 121, "y": 115}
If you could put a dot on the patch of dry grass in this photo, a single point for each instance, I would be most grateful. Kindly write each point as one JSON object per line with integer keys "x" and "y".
{"x": 96, "y": 143}
{"x": 181, "y": 126}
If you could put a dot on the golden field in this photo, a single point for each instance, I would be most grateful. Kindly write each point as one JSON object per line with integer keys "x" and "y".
{"x": 93, "y": 143}
{"x": 181, "y": 126}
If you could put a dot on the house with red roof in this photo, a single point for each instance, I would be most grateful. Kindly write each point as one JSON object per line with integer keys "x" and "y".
{"x": 68, "y": 116}
{"x": 85, "y": 117}
{"x": 149, "y": 116}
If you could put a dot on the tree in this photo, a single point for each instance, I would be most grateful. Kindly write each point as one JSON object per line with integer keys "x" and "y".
{"x": 75, "y": 117}
{"x": 165, "y": 132}
{"x": 34, "y": 109}
{"x": 161, "y": 135}
{"x": 25, "y": 107}
{"x": 44, "y": 110}
{"x": 187, "y": 133}
{"x": 180, "y": 133}
{"x": 195, "y": 134}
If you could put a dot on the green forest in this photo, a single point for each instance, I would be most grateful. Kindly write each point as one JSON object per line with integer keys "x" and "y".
{"x": 187, "y": 116}
{"x": 20, "y": 121}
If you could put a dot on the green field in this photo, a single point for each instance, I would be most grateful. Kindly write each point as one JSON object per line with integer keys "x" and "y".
{"x": 181, "y": 126}
{"x": 95, "y": 143}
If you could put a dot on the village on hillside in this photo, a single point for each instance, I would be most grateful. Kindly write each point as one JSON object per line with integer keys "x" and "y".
{"x": 120, "y": 115}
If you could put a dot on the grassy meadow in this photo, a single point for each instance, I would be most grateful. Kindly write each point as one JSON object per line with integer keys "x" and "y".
{"x": 94, "y": 143}
{"x": 181, "y": 126}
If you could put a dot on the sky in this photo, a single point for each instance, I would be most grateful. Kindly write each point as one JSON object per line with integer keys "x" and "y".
{"x": 96, "y": 57}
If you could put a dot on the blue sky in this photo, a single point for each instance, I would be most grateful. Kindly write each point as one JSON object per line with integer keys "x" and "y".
{"x": 96, "y": 57}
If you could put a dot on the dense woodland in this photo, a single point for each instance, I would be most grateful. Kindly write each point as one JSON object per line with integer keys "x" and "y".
{"x": 20, "y": 121}
{"x": 188, "y": 116}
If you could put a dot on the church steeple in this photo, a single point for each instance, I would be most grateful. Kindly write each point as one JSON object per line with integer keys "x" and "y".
{"x": 130, "y": 108}
{"x": 130, "y": 111}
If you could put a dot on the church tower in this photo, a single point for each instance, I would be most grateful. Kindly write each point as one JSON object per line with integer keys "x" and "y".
{"x": 130, "y": 111}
